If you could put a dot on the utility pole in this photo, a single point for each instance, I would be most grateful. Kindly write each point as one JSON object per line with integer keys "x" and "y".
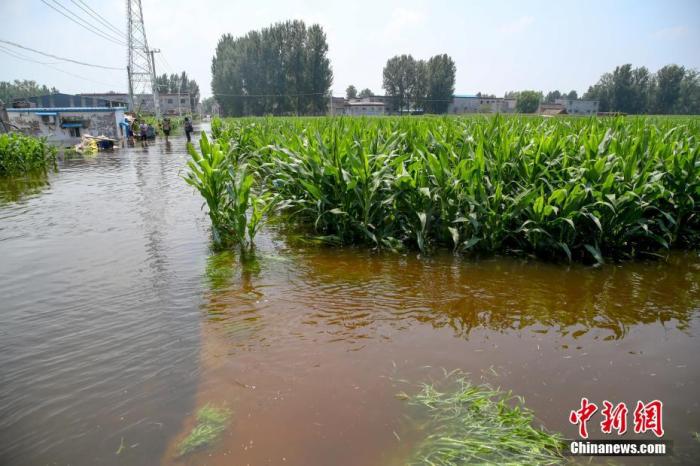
{"x": 156, "y": 98}
{"x": 179, "y": 101}
{"x": 140, "y": 64}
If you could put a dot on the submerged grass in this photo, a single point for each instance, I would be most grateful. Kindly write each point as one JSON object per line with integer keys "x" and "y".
{"x": 211, "y": 422}
{"x": 476, "y": 424}
{"x": 574, "y": 189}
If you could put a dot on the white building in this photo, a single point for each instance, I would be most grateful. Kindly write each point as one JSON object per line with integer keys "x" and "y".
{"x": 66, "y": 125}
{"x": 480, "y": 104}
{"x": 365, "y": 108}
{"x": 170, "y": 104}
{"x": 368, "y": 106}
{"x": 579, "y": 107}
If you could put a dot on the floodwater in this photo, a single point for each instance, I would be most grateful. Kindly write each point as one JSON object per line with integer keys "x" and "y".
{"x": 117, "y": 323}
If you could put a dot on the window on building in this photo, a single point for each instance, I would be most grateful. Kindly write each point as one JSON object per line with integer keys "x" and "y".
{"x": 48, "y": 119}
{"x": 170, "y": 101}
{"x": 182, "y": 101}
{"x": 74, "y": 132}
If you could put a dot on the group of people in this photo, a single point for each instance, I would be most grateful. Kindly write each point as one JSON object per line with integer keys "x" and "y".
{"x": 143, "y": 131}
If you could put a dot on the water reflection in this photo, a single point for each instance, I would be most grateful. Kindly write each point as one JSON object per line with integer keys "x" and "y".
{"x": 232, "y": 300}
{"x": 352, "y": 295}
{"x": 352, "y": 291}
{"x": 16, "y": 188}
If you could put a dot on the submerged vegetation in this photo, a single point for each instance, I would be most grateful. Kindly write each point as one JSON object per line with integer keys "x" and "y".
{"x": 20, "y": 154}
{"x": 476, "y": 424}
{"x": 211, "y": 422}
{"x": 574, "y": 188}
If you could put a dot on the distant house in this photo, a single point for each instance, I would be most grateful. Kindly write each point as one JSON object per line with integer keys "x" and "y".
{"x": 170, "y": 104}
{"x": 66, "y": 125}
{"x": 366, "y": 106}
{"x": 579, "y": 106}
{"x": 552, "y": 109}
{"x": 336, "y": 106}
{"x": 480, "y": 104}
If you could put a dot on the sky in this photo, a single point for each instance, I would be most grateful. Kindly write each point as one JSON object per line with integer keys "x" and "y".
{"x": 497, "y": 45}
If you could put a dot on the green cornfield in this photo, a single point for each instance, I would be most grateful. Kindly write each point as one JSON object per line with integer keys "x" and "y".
{"x": 21, "y": 154}
{"x": 577, "y": 189}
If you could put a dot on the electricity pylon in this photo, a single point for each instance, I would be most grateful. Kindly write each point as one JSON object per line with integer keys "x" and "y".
{"x": 140, "y": 68}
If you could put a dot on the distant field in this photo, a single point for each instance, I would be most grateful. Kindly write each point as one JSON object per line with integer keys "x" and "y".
{"x": 567, "y": 188}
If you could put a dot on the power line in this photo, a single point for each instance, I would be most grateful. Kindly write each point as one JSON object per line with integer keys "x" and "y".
{"x": 116, "y": 38}
{"x": 109, "y": 35}
{"x": 14, "y": 44}
{"x": 24, "y": 57}
{"x": 84, "y": 25}
{"x": 17, "y": 56}
{"x": 86, "y": 8}
{"x": 268, "y": 95}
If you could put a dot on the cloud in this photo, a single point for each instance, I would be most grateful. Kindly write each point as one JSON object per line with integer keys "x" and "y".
{"x": 671, "y": 33}
{"x": 517, "y": 25}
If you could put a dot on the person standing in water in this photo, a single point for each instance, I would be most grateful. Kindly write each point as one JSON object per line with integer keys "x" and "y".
{"x": 144, "y": 133}
{"x": 165, "y": 126}
{"x": 188, "y": 129}
{"x": 135, "y": 130}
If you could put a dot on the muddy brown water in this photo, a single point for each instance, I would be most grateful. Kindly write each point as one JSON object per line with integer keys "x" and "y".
{"x": 117, "y": 323}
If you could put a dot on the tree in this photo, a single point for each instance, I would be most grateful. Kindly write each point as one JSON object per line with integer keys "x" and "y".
{"x": 351, "y": 92}
{"x": 365, "y": 93}
{"x": 320, "y": 75}
{"x": 528, "y": 101}
{"x": 441, "y": 71}
{"x": 572, "y": 95}
{"x": 20, "y": 89}
{"x": 552, "y": 96}
{"x": 281, "y": 69}
{"x": 419, "y": 92}
{"x": 399, "y": 79}
{"x": 689, "y": 99}
{"x": 602, "y": 92}
{"x": 668, "y": 88}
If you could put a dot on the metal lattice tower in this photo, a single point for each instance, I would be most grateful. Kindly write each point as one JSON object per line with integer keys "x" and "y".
{"x": 140, "y": 66}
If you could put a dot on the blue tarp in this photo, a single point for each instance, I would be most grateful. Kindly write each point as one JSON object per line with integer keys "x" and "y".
{"x": 46, "y": 113}
{"x": 72, "y": 125}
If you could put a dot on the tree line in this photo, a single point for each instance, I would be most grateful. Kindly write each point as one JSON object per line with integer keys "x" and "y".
{"x": 673, "y": 89}
{"x": 20, "y": 89}
{"x": 179, "y": 84}
{"x": 281, "y": 70}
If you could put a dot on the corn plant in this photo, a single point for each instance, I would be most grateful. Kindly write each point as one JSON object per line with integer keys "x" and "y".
{"x": 571, "y": 188}
{"x": 225, "y": 183}
{"x": 21, "y": 154}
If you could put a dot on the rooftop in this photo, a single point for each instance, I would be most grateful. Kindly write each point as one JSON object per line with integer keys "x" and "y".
{"x": 65, "y": 109}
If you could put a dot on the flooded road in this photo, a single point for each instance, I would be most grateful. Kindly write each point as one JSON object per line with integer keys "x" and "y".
{"x": 117, "y": 323}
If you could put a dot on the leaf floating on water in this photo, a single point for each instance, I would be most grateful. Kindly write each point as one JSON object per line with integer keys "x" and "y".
{"x": 121, "y": 447}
